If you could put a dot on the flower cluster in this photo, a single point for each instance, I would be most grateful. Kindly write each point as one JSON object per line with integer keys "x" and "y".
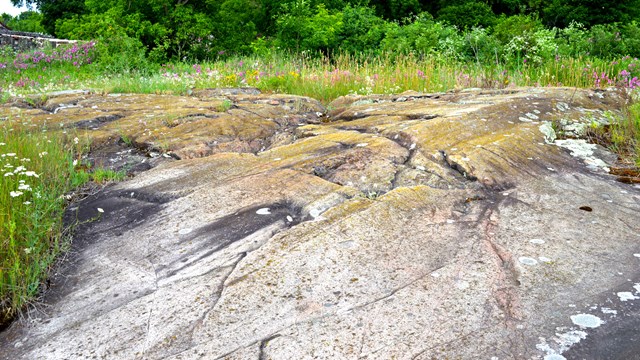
{"x": 28, "y": 69}
{"x": 18, "y": 178}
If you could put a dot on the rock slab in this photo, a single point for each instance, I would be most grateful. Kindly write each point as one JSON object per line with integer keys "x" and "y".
{"x": 416, "y": 226}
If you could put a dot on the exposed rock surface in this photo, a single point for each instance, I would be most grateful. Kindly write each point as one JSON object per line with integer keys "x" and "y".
{"x": 420, "y": 226}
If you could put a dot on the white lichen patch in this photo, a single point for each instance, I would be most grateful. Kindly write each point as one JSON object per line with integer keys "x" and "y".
{"x": 562, "y": 106}
{"x": 524, "y": 119}
{"x": 315, "y": 213}
{"x": 537, "y": 241}
{"x": 636, "y": 255}
{"x": 609, "y": 311}
{"x": 581, "y": 149}
{"x": 184, "y": 231}
{"x": 532, "y": 116}
{"x": 263, "y": 211}
{"x": 527, "y": 261}
{"x": 554, "y": 357}
{"x": 637, "y": 287}
{"x": 586, "y": 320}
{"x": 549, "y": 133}
{"x": 563, "y": 341}
{"x": 626, "y": 296}
{"x": 544, "y": 259}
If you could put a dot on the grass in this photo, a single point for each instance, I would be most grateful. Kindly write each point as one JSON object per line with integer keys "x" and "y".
{"x": 315, "y": 76}
{"x": 623, "y": 137}
{"x": 102, "y": 176}
{"x": 37, "y": 171}
{"x": 39, "y": 168}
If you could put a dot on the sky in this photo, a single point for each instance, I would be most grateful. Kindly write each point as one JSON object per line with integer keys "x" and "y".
{"x": 6, "y": 7}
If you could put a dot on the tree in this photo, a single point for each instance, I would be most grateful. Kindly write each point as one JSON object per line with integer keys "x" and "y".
{"x": 588, "y": 12}
{"x": 53, "y": 10}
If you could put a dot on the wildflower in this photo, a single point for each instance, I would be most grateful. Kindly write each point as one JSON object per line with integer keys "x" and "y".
{"x": 75, "y": 162}
{"x": 20, "y": 168}
{"x": 100, "y": 210}
{"x": 27, "y": 250}
{"x": 8, "y": 174}
{"x": 31, "y": 173}
{"x": 2, "y": 144}
{"x": 27, "y": 202}
{"x": 15, "y": 193}
{"x": 42, "y": 154}
{"x": 25, "y": 187}
{"x": 11, "y": 154}
{"x": 76, "y": 140}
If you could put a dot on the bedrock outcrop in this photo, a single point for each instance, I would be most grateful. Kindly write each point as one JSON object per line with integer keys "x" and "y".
{"x": 413, "y": 226}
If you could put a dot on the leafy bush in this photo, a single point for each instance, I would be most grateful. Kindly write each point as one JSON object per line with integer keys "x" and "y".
{"x": 304, "y": 29}
{"x": 361, "y": 29}
{"x": 423, "y": 35}
{"x": 467, "y": 14}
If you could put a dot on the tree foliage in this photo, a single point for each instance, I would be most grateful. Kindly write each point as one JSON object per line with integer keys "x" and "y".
{"x": 206, "y": 29}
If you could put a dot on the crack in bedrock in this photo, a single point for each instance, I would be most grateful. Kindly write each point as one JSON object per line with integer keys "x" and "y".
{"x": 456, "y": 167}
{"x": 506, "y": 283}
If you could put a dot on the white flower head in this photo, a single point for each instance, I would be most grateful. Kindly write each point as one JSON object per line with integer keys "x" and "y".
{"x": 27, "y": 202}
{"x": 8, "y": 174}
{"x": 24, "y": 187}
{"x": 31, "y": 173}
{"x": 15, "y": 193}
{"x": 76, "y": 140}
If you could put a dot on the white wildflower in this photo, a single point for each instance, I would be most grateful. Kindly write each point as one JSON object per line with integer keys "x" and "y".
{"x": 75, "y": 162}
{"x": 20, "y": 168}
{"x": 15, "y": 193}
{"x": 27, "y": 202}
{"x": 8, "y": 166}
{"x": 43, "y": 154}
{"x": 76, "y": 140}
{"x": 31, "y": 173}
{"x": 25, "y": 160}
{"x": 11, "y": 154}
{"x": 3, "y": 144}
{"x": 8, "y": 174}
{"x": 27, "y": 250}
{"x": 24, "y": 187}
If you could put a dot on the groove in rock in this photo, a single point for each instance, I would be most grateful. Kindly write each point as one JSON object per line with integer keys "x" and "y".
{"x": 263, "y": 345}
{"x": 456, "y": 167}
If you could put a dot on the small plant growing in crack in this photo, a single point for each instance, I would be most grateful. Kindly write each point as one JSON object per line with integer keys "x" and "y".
{"x": 370, "y": 194}
{"x": 126, "y": 140}
{"x": 224, "y": 106}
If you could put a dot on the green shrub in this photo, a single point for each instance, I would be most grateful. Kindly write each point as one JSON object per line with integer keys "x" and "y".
{"x": 303, "y": 29}
{"x": 466, "y": 14}
{"x": 361, "y": 29}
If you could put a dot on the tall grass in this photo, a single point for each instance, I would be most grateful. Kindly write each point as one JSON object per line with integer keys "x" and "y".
{"x": 319, "y": 77}
{"x": 36, "y": 171}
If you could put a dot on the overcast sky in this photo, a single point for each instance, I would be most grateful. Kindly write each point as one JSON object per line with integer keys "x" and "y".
{"x": 6, "y": 7}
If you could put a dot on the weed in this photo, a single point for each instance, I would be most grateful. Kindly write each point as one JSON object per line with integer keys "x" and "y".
{"x": 224, "y": 106}
{"x": 101, "y": 176}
